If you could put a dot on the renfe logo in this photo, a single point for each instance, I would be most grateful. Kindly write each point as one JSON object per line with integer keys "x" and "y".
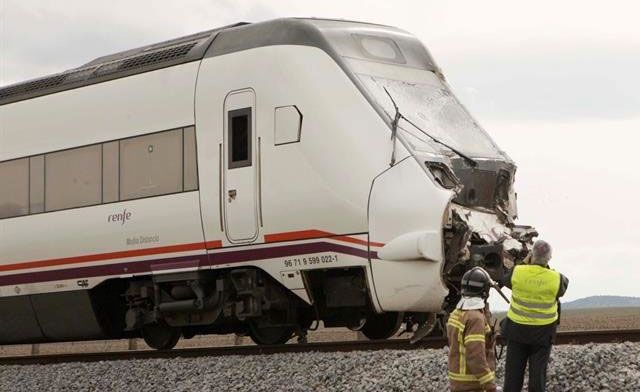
{"x": 121, "y": 217}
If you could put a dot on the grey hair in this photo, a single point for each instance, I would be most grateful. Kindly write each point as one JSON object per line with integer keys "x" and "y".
{"x": 541, "y": 253}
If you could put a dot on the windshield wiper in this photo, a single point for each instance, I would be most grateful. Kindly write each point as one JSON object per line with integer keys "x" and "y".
{"x": 394, "y": 131}
{"x": 394, "y": 128}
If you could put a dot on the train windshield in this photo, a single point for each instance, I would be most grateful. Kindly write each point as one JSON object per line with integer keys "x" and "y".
{"x": 429, "y": 104}
{"x": 385, "y": 57}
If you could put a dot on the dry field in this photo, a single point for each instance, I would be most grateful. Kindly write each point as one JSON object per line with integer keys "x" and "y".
{"x": 574, "y": 319}
{"x": 596, "y": 319}
{"x": 608, "y": 318}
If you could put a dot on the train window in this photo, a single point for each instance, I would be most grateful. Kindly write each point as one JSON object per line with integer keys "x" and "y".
{"x": 380, "y": 48}
{"x": 287, "y": 125}
{"x": 110, "y": 172}
{"x": 36, "y": 184}
{"x": 14, "y": 188}
{"x": 73, "y": 178}
{"x": 190, "y": 160}
{"x": 239, "y": 138}
{"x": 151, "y": 165}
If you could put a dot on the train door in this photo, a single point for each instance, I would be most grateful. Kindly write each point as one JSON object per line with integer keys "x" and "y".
{"x": 239, "y": 167}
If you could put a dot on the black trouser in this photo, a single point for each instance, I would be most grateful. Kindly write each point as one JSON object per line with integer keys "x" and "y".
{"x": 517, "y": 356}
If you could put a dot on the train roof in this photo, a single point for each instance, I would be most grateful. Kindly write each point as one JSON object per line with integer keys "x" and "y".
{"x": 130, "y": 62}
{"x": 194, "y": 47}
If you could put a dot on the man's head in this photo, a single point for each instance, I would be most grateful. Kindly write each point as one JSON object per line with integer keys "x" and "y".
{"x": 541, "y": 253}
{"x": 476, "y": 283}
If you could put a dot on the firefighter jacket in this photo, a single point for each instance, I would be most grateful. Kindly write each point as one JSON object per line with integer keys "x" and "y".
{"x": 535, "y": 291}
{"x": 472, "y": 360}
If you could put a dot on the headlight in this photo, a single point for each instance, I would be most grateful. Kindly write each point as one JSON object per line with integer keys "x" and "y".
{"x": 443, "y": 175}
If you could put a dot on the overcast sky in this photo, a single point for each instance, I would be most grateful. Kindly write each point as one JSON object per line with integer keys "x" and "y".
{"x": 556, "y": 83}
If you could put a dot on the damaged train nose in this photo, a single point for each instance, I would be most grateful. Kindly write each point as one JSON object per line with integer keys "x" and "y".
{"x": 485, "y": 239}
{"x": 431, "y": 232}
{"x": 480, "y": 230}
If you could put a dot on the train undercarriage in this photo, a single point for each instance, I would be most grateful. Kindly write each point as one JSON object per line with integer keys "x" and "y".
{"x": 247, "y": 301}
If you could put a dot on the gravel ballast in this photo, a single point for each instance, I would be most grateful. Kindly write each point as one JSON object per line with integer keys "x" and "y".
{"x": 602, "y": 367}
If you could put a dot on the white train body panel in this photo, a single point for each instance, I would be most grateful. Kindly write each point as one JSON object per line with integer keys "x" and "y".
{"x": 102, "y": 112}
{"x": 330, "y": 170}
{"x": 414, "y": 283}
{"x": 84, "y": 242}
{"x": 136, "y": 105}
{"x": 328, "y": 200}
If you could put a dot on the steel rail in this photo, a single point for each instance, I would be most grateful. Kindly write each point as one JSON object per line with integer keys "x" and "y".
{"x": 564, "y": 337}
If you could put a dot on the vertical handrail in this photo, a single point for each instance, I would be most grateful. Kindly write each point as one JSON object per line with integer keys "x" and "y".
{"x": 220, "y": 184}
{"x": 260, "y": 181}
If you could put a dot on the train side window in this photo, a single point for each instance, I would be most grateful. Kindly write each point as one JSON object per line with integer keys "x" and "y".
{"x": 151, "y": 165}
{"x": 36, "y": 184}
{"x": 190, "y": 165}
{"x": 14, "y": 188}
{"x": 110, "y": 172}
{"x": 73, "y": 178}
{"x": 287, "y": 125}
{"x": 239, "y": 138}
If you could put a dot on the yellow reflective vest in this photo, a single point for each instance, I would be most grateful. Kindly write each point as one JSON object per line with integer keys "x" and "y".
{"x": 534, "y": 291}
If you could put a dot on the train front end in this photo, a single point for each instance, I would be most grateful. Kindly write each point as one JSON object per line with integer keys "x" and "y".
{"x": 446, "y": 201}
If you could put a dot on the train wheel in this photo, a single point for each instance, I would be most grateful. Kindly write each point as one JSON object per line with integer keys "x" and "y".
{"x": 382, "y": 326}
{"x": 160, "y": 336}
{"x": 270, "y": 335}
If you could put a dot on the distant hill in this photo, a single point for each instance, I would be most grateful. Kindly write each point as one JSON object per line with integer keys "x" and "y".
{"x": 602, "y": 301}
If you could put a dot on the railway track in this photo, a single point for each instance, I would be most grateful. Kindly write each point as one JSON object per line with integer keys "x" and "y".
{"x": 565, "y": 337}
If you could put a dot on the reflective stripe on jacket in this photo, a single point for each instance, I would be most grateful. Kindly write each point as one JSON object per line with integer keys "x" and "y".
{"x": 472, "y": 360}
{"x": 534, "y": 291}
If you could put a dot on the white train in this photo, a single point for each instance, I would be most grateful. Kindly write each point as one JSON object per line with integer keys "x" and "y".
{"x": 249, "y": 179}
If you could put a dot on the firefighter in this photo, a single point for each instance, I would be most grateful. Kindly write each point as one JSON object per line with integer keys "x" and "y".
{"x": 530, "y": 325}
{"x": 472, "y": 360}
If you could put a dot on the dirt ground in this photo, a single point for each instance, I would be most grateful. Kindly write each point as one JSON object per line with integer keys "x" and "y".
{"x": 574, "y": 319}
{"x": 611, "y": 318}
{"x": 596, "y": 319}
{"x": 321, "y": 335}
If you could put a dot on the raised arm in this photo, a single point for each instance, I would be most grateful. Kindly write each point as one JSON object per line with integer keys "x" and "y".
{"x": 564, "y": 283}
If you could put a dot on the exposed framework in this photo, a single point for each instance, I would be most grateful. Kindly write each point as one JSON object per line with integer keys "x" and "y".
{"x": 147, "y": 58}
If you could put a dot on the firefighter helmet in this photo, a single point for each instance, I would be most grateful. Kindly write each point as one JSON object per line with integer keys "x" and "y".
{"x": 476, "y": 283}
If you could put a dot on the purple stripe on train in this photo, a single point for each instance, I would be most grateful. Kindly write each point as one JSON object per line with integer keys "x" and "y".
{"x": 146, "y": 266}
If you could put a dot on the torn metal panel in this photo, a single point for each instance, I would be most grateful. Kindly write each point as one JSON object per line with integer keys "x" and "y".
{"x": 488, "y": 186}
{"x": 481, "y": 238}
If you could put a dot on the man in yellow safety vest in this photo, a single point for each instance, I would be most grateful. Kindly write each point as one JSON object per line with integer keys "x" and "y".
{"x": 533, "y": 316}
{"x": 472, "y": 359}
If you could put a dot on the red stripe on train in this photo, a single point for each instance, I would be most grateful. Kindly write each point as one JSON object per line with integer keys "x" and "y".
{"x": 310, "y": 234}
{"x": 104, "y": 256}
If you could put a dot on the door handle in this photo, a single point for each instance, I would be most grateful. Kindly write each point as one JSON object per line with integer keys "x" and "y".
{"x": 232, "y": 194}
